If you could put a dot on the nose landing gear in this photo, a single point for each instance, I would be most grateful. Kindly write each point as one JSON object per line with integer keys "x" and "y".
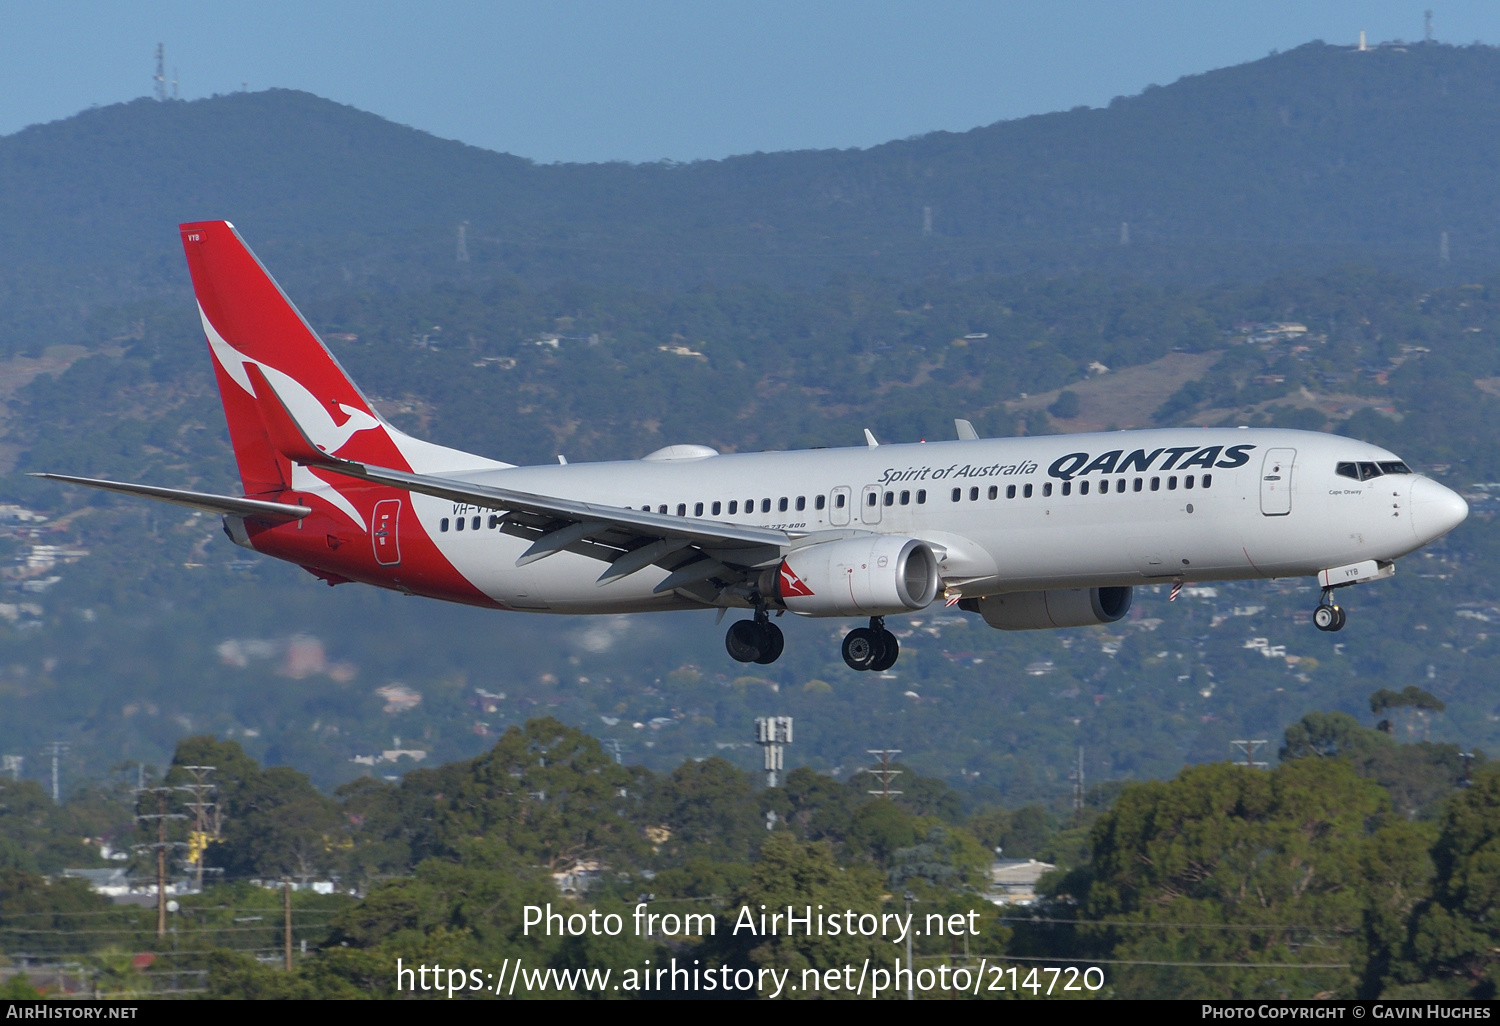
{"x": 872, "y": 647}
{"x": 1328, "y": 617}
{"x": 755, "y": 641}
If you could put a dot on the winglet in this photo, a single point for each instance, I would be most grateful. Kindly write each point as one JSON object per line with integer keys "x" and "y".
{"x": 870, "y": 439}
{"x": 281, "y": 427}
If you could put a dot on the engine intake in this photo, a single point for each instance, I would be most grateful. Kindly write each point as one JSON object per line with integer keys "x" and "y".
{"x": 1044, "y": 610}
{"x": 875, "y": 575}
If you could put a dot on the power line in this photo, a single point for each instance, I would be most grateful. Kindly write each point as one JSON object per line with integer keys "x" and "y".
{"x": 1183, "y": 926}
{"x": 1204, "y": 965}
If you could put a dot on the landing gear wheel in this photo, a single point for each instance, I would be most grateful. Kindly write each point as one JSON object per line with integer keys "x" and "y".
{"x": 1329, "y": 618}
{"x": 862, "y": 648}
{"x": 890, "y": 648}
{"x": 772, "y": 642}
{"x": 744, "y": 641}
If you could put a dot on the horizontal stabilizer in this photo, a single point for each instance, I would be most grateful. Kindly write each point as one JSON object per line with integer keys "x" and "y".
{"x": 193, "y": 500}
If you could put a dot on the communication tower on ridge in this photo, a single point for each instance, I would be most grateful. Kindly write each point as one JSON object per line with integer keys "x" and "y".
{"x": 161, "y": 73}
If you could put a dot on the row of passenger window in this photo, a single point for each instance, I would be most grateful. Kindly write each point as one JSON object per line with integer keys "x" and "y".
{"x": 783, "y": 505}
{"x": 1120, "y": 485}
{"x": 472, "y": 523}
{"x": 903, "y": 497}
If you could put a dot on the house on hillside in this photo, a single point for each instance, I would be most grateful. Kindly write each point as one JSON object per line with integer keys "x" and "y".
{"x": 1013, "y": 881}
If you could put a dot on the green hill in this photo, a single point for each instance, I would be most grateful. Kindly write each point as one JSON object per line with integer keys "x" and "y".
{"x": 1308, "y": 158}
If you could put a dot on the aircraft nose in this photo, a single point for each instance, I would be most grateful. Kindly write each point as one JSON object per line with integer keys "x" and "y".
{"x": 1435, "y": 509}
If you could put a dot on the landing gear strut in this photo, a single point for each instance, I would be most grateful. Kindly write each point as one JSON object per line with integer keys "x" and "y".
{"x": 755, "y": 641}
{"x": 872, "y": 647}
{"x": 1328, "y": 617}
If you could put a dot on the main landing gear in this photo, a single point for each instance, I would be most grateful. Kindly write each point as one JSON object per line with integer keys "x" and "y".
{"x": 755, "y": 641}
{"x": 1328, "y": 617}
{"x": 872, "y": 647}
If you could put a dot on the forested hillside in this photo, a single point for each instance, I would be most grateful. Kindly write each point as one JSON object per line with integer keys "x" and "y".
{"x": 131, "y": 624}
{"x": 1306, "y": 159}
{"x": 1225, "y": 882}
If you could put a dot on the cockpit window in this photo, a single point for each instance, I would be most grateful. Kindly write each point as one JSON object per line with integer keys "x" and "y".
{"x": 1366, "y": 471}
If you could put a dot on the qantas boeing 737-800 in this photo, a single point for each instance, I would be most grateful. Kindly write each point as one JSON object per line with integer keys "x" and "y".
{"x": 1035, "y": 532}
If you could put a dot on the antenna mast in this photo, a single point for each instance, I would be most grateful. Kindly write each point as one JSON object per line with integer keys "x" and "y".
{"x": 161, "y": 73}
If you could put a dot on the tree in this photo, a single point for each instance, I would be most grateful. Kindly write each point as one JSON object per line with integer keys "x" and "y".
{"x": 948, "y": 857}
{"x": 1454, "y": 947}
{"x": 1228, "y": 864}
{"x": 800, "y": 874}
{"x": 706, "y": 809}
{"x": 1066, "y": 406}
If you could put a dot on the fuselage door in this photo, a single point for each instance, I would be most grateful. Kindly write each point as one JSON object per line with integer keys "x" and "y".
{"x": 838, "y": 513}
{"x": 384, "y": 534}
{"x": 869, "y": 504}
{"x": 1276, "y": 482}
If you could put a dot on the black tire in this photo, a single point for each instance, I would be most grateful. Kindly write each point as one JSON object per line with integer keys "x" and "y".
{"x": 1341, "y": 619}
{"x": 862, "y": 648}
{"x": 1326, "y": 618}
{"x": 743, "y": 641}
{"x": 772, "y": 642}
{"x": 890, "y": 649}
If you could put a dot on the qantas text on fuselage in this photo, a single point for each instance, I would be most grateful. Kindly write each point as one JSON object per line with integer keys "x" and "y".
{"x": 1039, "y": 532}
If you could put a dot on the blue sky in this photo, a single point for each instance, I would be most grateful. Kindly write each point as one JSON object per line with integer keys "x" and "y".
{"x": 644, "y": 80}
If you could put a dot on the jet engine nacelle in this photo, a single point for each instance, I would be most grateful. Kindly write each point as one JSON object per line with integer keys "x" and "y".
{"x": 872, "y": 575}
{"x": 1043, "y": 610}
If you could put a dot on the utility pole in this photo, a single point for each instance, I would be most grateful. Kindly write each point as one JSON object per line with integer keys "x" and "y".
{"x": 1077, "y": 777}
{"x": 1249, "y": 747}
{"x": 883, "y": 771}
{"x": 286, "y": 906}
{"x": 771, "y": 733}
{"x": 1443, "y": 248}
{"x": 161, "y": 815}
{"x": 199, "y": 839}
{"x": 463, "y": 242}
{"x": 56, "y": 749}
{"x": 910, "y": 968}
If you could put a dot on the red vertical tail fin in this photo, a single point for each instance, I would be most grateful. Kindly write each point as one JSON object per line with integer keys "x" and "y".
{"x": 250, "y": 323}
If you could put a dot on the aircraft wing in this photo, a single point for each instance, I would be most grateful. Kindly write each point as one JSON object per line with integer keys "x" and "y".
{"x": 692, "y": 549}
{"x": 206, "y": 501}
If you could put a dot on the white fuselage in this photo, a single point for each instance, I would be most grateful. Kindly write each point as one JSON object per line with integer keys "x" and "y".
{"x": 1282, "y": 511}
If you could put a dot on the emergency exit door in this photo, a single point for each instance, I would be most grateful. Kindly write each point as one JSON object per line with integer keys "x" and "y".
{"x": 1276, "y": 482}
{"x": 384, "y": 532}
